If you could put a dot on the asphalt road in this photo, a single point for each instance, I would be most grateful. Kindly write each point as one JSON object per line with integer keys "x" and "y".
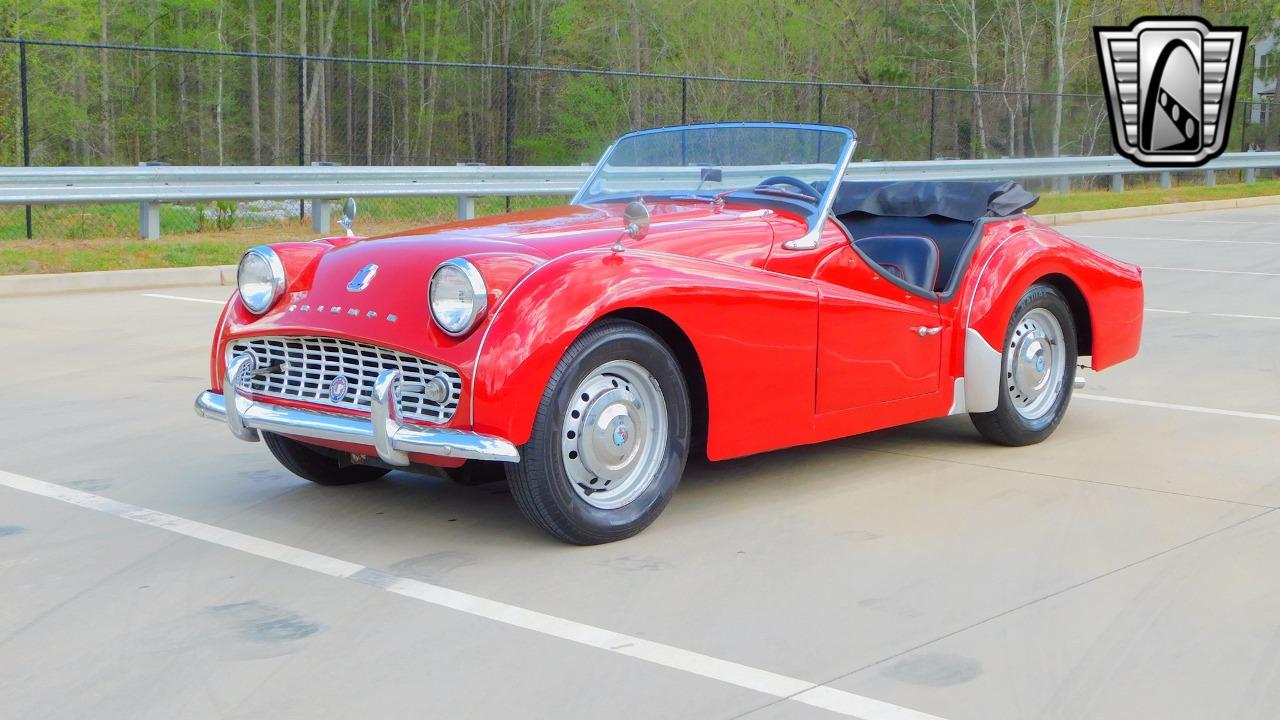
{"x": 1123, "y": 569}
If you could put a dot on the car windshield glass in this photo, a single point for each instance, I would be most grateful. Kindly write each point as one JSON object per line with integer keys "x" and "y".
{"x": 707, "y": 160}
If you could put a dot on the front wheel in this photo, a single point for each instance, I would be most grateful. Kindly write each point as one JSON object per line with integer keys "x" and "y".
{"x": 610, "y": 438}
{"x": 318, "y": 465}
{"x": 1038, "y": 370}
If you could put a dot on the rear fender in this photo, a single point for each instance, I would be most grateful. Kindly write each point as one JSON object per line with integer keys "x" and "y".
{"x": 754, "y": 333}
{"x": 1111, "y": 292}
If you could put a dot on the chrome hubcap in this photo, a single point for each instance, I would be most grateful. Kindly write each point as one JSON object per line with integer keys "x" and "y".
{"x": 1035, "y": 365}
{"x": 614, "y": 434}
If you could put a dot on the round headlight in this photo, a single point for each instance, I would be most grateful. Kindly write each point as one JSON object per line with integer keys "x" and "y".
{"x": 458, "y": 297}
{"x": 260, "y": 278}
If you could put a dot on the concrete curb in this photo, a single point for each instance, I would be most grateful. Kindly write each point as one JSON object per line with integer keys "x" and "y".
{"x": 108, "y": 280}
{"x": 105, "y": 281}
{"x": 1148, "y": 210}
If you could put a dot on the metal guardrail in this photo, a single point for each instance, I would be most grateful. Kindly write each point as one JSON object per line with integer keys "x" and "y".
{"x": 1019, "y": 168}
{"x": 151, "y": 186}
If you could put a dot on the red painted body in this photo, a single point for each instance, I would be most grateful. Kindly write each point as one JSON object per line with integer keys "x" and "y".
{"x": 795, "y": 346}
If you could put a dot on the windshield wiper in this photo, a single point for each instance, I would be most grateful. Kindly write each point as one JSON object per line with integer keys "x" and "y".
{"x": 719, "y": 198}
{"x": 785, "y": 193}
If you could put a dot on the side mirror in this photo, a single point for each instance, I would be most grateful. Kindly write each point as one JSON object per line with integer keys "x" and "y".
{"x": 636, "y": 217}
{"x": 348, "y": 215}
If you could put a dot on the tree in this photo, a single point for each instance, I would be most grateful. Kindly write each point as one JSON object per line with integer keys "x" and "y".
{"x": 255, "y": 100}
{"x": 1060, "y": 23}
{"x": 115, "y": 106}
{"x": 963, "y": 15}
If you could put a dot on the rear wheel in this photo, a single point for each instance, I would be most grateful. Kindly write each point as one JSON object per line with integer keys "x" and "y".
{"x": 610, "y": 438}
{"x": 317, "y": 465}
{"x": 1037, "y": 372}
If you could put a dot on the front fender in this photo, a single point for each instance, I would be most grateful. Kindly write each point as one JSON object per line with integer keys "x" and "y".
{"x": 754, "y": 334}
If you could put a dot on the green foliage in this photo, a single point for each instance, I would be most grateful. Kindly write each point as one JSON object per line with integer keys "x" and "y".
{"x": 94, "y": 107}
{"x": 586, "y": 120}
{"x": 224, "y": 217}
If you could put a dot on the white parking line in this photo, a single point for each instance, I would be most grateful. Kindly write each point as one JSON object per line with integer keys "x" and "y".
{"x": 1216, "y": 222}
{"x": 1202, "y": 270}
{"x": 1238, "y": 316}
{"x": 1246, "y": 317}
{"x": 762, "y": 681}
{"x": 180, "y": 297}
{"x": 1172, "y": 406}
{"x": 1174, "y": 239}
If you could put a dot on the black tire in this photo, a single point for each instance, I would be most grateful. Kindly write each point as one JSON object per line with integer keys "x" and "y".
{"x": 540, "y": 483}
{"x": 477, "y": 472}
{"x": 318, "y": 466}
{"x": 1005, "y": 425}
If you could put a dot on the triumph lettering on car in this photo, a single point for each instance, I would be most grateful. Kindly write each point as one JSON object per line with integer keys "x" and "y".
{"x": 718, "y": 289}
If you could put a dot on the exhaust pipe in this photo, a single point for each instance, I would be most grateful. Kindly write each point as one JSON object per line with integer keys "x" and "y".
{"x": 1078, "y": 383}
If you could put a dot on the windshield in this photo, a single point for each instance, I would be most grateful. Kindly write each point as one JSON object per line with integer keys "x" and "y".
{"x": 797, "y": 161}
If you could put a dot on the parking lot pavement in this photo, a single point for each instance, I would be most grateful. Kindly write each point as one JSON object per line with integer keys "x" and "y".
{"x": 1121, "y": 569}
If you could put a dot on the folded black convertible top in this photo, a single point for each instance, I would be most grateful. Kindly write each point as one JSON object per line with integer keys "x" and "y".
{"x": 965, "y": 200}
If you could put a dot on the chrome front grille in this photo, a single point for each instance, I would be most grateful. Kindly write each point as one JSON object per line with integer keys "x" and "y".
{"x": 304, "y": 368}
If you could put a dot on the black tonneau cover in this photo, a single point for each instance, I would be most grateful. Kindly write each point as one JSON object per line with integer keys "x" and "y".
{"x": 964, "y": 200}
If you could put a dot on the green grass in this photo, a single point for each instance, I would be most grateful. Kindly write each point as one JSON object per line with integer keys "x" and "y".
{"x": 101, "y": 237}
{"x": 1051, "y": 203}
{"x": 84, "y": 238}
{"x": 178, "y": 250}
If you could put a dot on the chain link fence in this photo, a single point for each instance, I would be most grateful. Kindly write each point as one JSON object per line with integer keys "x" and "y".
{"x": 87, "y": 104}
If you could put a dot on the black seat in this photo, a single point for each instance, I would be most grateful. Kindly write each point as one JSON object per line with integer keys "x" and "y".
{"x": 913, "y": 259}
{"x": 948, "y": 212}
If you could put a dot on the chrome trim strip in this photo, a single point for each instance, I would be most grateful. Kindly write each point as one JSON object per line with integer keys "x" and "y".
{"x": 389, "y": 438}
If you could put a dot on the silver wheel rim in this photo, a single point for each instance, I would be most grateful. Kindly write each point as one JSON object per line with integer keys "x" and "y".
{"x": 614, "y": 435}
{"x": 1035, "y": 364}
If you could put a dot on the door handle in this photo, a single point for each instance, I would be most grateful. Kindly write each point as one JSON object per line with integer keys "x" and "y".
{"x": 923, "y": 331}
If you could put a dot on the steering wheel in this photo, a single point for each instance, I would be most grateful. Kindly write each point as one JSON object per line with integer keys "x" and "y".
{"x": 804, "y": 187}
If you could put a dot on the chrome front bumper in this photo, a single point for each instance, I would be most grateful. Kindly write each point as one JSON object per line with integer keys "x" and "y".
{"x": 382, "y": 429}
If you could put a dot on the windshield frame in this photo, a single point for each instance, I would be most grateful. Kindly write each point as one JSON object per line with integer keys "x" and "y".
{"x": 814, "y": 220}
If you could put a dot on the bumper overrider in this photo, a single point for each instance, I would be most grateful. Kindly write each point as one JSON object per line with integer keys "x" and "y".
{"x": 383, "y": 429}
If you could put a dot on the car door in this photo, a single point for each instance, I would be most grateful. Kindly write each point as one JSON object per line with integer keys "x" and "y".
{"x": 877, "y": 343}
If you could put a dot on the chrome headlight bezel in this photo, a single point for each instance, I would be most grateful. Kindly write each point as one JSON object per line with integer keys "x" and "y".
{"x": 257, "y": 303}
{"x": 476, "y": 297}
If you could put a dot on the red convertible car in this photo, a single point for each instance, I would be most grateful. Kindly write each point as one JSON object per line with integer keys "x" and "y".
{"x": 711, "y": 288}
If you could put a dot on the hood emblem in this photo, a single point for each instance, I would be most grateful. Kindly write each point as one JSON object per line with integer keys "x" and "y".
{"x": 362, "y": 278}
{"x": 338, "y": 389}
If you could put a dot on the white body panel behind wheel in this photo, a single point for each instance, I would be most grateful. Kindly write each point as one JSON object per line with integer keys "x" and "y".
{"x": 1037, "y": 371}
{"x": 982, "y": 365}
{"x": 610, "y": 437}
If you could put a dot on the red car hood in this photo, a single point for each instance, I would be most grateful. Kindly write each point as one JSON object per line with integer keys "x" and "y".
{"x": 551, "y": 232}
{"x": 392, "y": 310}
